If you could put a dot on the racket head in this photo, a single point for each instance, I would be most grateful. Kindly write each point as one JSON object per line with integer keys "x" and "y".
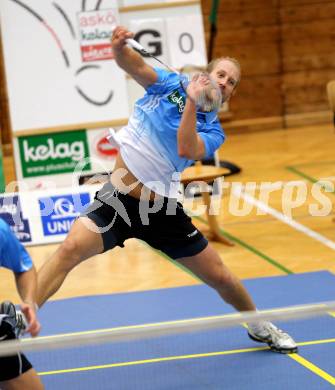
{"x": 210, "y": 99}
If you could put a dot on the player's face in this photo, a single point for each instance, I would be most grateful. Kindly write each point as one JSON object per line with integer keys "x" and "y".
{"x": 227, "y": 75}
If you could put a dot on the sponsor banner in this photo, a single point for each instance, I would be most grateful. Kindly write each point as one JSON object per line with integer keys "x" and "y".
{"x": 95, "y": 31}
{"x": 103, "y": 156}
{"x": 54, "y": 154}
{"x": 43, "y": 217}
{"x": 186, "y": 43}
{"x": 59, "y": 212}
{"x": 11, "y": 212}
{"x": 151, "y": 34}
{"x": 101, "y": 147}
{"x": 100, "y": 158}
{"x": 68, "y": 90}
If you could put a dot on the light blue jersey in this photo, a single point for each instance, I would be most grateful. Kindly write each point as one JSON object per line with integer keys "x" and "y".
{"x": 13, "y": 255}
{"x": 160, "y": 110}
{"x": 148, "y": 144}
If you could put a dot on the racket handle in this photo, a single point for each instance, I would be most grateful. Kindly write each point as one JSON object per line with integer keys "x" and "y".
{"x": 132, "y": 43}
{"x": 135, "y": 44}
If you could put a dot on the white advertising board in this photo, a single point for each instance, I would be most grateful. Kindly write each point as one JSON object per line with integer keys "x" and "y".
{"x": 179, "y": 39}
{"x": 59, "y": 66}
{"x": 59, "y": 69}
{"x": 186, "y": 43}
{"x": 152, "y": 35}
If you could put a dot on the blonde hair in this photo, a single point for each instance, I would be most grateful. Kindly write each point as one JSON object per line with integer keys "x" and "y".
{"x": 211, "y": 66}
{"x": 190, "y": 69}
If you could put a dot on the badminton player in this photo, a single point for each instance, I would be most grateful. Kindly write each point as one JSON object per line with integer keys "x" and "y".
{"x": 173, "y": 124}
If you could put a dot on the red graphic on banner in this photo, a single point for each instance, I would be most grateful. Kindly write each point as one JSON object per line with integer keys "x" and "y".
{"x": 97, "y": 52}
{"x": 106, "y": 149}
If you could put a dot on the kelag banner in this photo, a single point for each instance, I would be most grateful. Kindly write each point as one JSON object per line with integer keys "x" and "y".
{"x": 55, "y": 153}
{"x": 62, "y": 159}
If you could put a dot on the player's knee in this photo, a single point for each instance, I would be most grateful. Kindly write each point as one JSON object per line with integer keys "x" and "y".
{"x": 69, "y": 252}
{"x": 221, "y": 280}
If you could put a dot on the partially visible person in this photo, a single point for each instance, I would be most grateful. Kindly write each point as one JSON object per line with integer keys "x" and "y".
{"x": 16, "y": 372}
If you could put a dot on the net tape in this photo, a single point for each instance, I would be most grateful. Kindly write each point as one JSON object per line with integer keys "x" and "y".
{"x": 168, "y": 328}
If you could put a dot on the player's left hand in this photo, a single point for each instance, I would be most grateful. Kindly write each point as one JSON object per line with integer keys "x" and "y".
{"x": 198, "y": 82}
{"x": 29, "y": 310}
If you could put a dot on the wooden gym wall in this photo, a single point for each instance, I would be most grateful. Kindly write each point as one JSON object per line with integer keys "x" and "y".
{"x": 286, "y": 49}
{"x": 5, "y": 136}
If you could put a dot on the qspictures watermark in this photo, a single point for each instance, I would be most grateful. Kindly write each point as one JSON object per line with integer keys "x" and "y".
{"x": 241, "y": 199}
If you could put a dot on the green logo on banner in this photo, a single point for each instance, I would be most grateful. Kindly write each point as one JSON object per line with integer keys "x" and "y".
{"x": 51, "y": 154}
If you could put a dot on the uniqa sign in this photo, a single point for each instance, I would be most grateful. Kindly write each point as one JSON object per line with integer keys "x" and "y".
{"x": 49, "y": 154}
{"x": 59, "y": 212}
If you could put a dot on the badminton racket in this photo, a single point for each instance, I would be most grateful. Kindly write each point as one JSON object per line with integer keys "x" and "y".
{"x": 207, "y": 101}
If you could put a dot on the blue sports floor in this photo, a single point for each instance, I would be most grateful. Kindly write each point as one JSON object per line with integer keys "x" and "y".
{"x": 218, "y": 359}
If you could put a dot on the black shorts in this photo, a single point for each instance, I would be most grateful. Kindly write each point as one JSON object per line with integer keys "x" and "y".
{"x": 162, "y": 224}
{"x": 12, "y": 366}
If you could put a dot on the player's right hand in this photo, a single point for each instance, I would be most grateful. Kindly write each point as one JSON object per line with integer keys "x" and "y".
{"x": 119, "y": 37}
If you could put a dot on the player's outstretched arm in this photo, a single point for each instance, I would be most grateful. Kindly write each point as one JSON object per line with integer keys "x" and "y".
{"x": 129, "y": 60}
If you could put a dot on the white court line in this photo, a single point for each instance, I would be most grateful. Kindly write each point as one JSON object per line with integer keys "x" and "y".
{"x": 284, "y": 218}
{"x": 282, "y": 183}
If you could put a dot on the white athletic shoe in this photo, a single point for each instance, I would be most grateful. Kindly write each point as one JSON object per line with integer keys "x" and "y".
{"x": 21, "y": 323}
{"x": 15, "y": 322}
{"x": 279, "y": 341}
